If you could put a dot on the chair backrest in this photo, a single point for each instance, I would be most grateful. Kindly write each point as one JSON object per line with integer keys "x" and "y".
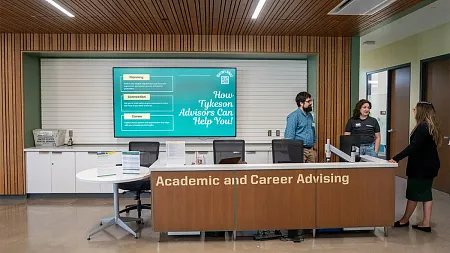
{"x": 287, "y": 151}
{"x": 149, "y": 151}
{"x": 227, "y": 149}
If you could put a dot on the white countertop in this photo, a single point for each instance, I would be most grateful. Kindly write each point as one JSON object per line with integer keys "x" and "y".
{"x": 366, "y": 162}
{"x": 206, "y": 147}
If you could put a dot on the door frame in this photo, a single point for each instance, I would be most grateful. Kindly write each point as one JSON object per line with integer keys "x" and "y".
{"x": 423, "y": 73}
{"x": 388, "y": 106}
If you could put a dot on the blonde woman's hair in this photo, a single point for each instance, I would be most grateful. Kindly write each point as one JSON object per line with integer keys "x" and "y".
{"x": 426, "y": 113}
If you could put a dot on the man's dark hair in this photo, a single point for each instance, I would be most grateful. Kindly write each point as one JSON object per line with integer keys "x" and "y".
{"x": 301, "y": 97}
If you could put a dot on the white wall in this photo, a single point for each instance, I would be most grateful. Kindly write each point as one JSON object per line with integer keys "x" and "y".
{"x": 78, "y": 94}
{"x": 431, "y": 43}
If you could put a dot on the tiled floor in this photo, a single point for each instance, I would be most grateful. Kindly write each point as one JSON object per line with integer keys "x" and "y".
{"x": 61, "y": 225}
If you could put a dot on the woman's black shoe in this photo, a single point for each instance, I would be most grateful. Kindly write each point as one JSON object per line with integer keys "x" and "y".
{"x": 398, "y": 225}
{"x": 424, "y": 229}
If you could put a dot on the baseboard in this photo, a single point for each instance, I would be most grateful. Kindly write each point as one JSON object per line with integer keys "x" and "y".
{"x": 83, "y": 195}
{"x": 18, "y": 197}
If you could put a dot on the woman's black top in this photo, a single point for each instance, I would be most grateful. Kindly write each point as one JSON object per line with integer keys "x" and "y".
{"x": 423, "y": 158}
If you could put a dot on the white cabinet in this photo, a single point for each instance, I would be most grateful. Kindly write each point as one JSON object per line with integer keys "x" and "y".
{"x": 50, "y": 172}
{"x": 191, "y": 157}
{"x": 39, "y": 172}
{"x": 252, "y": 157}
{"x": 63, "y": 172}
{"x": 162, "y": 158}
{"x": 85, "y": 161}
{"x": 209, "y": 156}
{"x": 256, "y": 157}
{"x": 55, "y": 172}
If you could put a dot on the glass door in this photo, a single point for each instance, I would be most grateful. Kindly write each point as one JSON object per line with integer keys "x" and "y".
{"x": 377, "y": 94}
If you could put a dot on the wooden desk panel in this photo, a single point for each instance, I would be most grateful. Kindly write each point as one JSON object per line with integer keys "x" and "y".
{"x": 367, "y": 200}
{"x": 275, "y": 206}
{"x": 193, "y": 207}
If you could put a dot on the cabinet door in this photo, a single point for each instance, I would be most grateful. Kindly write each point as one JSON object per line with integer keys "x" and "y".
{"x": 85, "y": 161}
{"x": 39, "y": 172}
{"x": 63, "y": 172}
{"x": 269, "y": 157}
{"x": 256, "y": 157}
{"x": 208, "y": 155}
{"x": 191, "y": 157}
{"x": 162, "y": 158}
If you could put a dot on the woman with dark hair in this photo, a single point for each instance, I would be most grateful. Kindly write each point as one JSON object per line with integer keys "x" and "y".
{"x": 423, "y": 164}
{"x": 366, "y": 127}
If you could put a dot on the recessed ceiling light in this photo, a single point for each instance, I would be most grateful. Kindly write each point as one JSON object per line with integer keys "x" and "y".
{"x": 258, "y": 8}
{"x": 60, "y": 8}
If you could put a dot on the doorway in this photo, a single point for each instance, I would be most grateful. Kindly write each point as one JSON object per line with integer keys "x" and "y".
{"x": 389, "y": 92}
{"x": 435, "y": 83}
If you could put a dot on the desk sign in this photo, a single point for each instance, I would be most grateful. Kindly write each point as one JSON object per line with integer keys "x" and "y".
{"x": 131, "y": 162}
{"x": 106, "y": 165}
{"x": 272, "y": 199}
{"x": 254, "y": 180}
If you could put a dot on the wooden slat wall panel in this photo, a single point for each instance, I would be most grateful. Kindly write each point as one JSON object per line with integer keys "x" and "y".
{"x": 333, "y": 101}
{"x": 12, "y": 174}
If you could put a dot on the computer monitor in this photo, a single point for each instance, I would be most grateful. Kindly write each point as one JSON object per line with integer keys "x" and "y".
{"x": 346, "y": 143}
{"x": 287, "y": 151}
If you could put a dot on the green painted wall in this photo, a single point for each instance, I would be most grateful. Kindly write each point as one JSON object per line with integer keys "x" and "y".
{"x": 312, "y": 79}
{"x": 430, "y": 43}
{"x": 354, "y": 72}
{"x": 31, "y": 97}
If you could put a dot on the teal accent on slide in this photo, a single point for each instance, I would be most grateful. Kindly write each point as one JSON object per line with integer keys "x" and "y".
{"x": 174, "y": 102}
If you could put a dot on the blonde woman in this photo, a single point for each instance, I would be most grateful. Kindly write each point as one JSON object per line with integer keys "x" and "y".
{"x": 423, "y": 165}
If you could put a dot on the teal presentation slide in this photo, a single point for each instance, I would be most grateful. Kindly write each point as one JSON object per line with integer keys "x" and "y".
{"x": 174, "y": 102}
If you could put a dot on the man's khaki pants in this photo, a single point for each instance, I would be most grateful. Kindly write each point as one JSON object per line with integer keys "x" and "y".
{"x": 309, "y": 156}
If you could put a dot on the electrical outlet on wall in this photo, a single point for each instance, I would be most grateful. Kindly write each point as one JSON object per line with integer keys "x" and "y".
{"x": 269, "y": 133}
{"x": 277, "y": 132}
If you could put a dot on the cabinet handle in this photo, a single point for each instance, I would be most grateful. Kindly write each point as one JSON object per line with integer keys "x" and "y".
{"x": 92, "y": 152}
{"x": 56, "y": 152}
{"x": 43, "y": 152}
{"x": 190, "y": 152}
{"x": 251, "y": 152}
{"x": 203, "y": 152}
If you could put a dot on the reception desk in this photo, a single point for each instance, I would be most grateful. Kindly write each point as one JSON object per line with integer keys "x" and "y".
{"x": 239, "y": 197}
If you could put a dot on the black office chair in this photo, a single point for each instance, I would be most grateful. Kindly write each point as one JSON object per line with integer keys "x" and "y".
{"x": 228, "y": 149}
{"x": 287, "y": 151}
{"x": 149, "y": 152}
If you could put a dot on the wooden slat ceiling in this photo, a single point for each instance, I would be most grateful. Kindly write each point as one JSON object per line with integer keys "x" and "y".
{"x": 203, "y": 17}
